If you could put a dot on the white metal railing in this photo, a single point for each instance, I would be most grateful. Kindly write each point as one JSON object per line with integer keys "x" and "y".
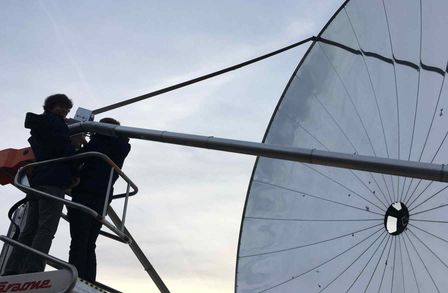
{"x": 118, "y": 226}
{"x": 119, "y": 231}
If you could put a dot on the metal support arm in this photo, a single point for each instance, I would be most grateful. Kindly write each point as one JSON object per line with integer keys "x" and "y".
{"x": 139, "y": 254}
{"x": 413, "y": 169}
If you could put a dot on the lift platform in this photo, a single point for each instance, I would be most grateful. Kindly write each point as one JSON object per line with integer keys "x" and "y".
{"x": 15, "y": 164}
{"x": 49, "y": 282}
{"x": 64, "y": 279}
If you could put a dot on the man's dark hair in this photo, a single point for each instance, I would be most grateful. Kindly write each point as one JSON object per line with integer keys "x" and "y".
{"x": 110, "y": 121}
{"x": 57, "y": 100}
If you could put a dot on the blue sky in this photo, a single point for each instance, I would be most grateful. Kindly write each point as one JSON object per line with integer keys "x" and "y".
{"x": 187, "y": 214}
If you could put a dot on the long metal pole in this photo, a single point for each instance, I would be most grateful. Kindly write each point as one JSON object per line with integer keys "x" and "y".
{"x": 435, "y": 172}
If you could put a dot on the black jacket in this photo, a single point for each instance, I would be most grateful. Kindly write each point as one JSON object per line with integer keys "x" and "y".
{"x": 50, "y": 140}
{"x": 95, "y": 172}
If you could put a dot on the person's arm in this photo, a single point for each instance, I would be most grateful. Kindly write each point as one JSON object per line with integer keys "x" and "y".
{"x": 120, "y": 150}
{"x": 59, "y": 139}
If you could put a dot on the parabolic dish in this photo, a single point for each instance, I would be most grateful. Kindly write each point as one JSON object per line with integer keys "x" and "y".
{"x": 373, "y": 84}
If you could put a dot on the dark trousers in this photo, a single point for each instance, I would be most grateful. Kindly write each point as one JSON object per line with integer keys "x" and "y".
{"x": 41, "y": 224}
{"x": 84, "y": 230}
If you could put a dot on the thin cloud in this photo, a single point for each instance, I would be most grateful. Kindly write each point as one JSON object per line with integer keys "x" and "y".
{"x": 57, "y": 28}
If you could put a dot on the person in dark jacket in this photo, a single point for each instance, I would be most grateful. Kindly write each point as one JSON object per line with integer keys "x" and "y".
{"x": 91, "y": 192}
{"x": 49, "y": 140}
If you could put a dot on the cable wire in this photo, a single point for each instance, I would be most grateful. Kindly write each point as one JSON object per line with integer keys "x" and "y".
{"x": 199, "y": 79}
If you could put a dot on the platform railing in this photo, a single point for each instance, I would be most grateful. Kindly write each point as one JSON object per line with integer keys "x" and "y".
{"x": 51, "y": 260}
{"x": 101, "y": 217}
{"x": 118, "y": 226}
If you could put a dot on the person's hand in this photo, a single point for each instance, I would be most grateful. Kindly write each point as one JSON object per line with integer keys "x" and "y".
{"x": 75, "y": 182}
{"x": 78, "y": 140}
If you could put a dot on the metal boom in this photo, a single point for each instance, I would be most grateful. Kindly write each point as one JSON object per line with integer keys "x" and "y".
{"x": 428, "y": 171}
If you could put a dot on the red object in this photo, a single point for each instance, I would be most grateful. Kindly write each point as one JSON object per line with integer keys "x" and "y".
{"x": 11, "y": 160}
